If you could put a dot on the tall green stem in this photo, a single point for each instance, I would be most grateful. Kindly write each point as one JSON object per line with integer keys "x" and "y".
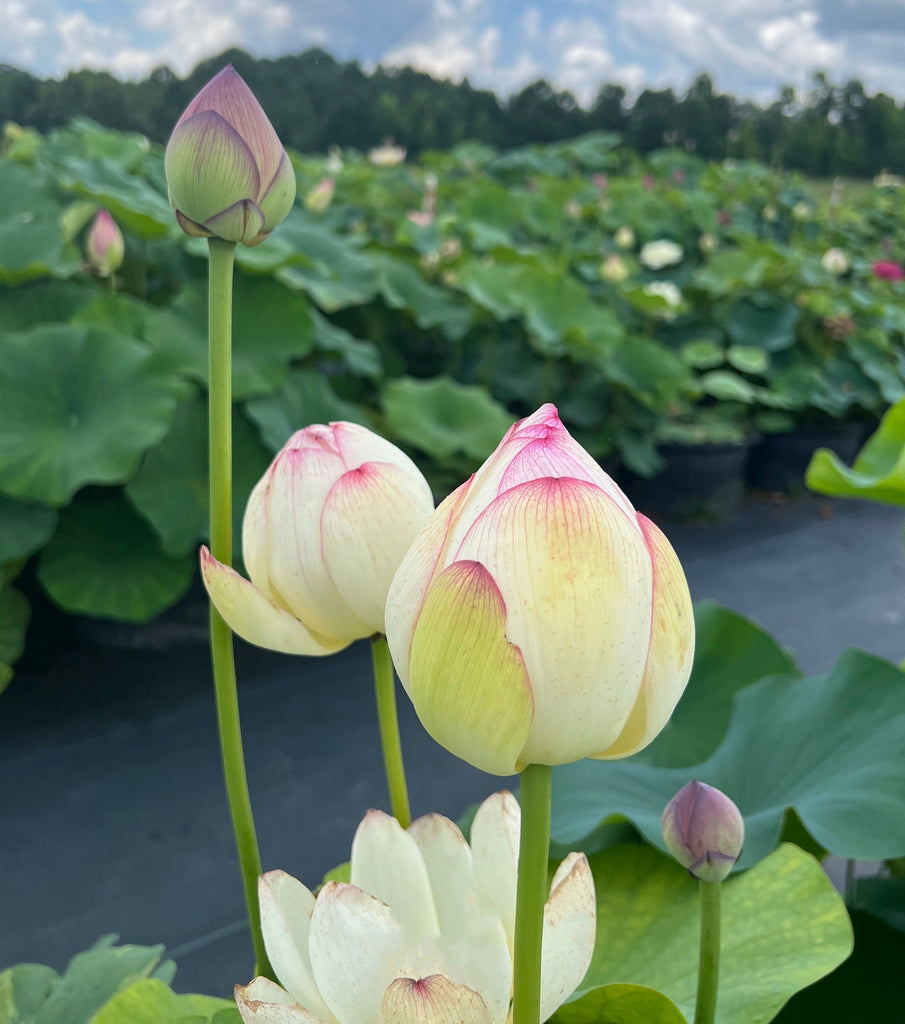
{"x": 220, "y": 297}
{"x": 709, "y": 964}
{"x": 385, "y": 687}
{"x": 531, "y": 894}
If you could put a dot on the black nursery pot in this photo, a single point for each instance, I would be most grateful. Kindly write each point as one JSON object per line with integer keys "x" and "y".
{"x": 778, "y": 461}
{"x": 701, "y": 482}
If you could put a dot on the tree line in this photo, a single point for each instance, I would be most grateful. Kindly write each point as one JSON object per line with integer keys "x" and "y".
{"x": 316, "y": 101}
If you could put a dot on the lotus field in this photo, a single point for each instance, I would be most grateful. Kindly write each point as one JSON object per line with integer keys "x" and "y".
{"x": 508, "y": 336}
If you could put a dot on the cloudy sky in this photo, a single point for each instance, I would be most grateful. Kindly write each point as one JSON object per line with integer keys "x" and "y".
{"x": 749, "y": 46}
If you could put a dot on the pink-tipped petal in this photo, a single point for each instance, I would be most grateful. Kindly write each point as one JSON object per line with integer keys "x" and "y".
{"x": 574, "y": 576}
{"x": 252, "y": 616}
{"x": 432, "y": 1000}
{"x": 228, "y": 95}
{"x": 369, "y": 520}
{"x": 209, "y": 167}
{"x": 425, "y": 558}
{"x": 468, "y": 679}
{"x": 671, "y": 650}
{"x": 264, "y": 1002}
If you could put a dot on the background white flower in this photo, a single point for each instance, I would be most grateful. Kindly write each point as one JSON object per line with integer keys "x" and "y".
{"x": 660, "y": 253}
{"x": 835, "y": 261}
{"x": 666, "y": 290}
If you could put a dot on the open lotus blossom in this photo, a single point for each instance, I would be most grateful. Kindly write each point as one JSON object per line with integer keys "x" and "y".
{"x": 105, "y": 246}
{"x": 324, "y": 531}
{"x": 227, "y": 172}
{"x": 537, "y": 618}
{"x": 661, "y": 253}
{"x": 835, "y": 261}
{"x": 423, "y": 933}
{"x": 386, "y": 155}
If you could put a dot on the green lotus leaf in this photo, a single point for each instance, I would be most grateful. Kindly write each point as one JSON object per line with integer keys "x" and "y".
{"x": 24, "y": 528}
{"x": 77, "y": 406}
{"x": 14, "y": 616}
{"x": 829, "y": 746}
{"x": 42, "y": 302}
{"x": 731, "y": 652}
{"x": 403, "y": 287}
{"x": 31, "y": 238}
{"x": 783, "y": 928}
{"x": 171, "y": 489}
{"x": 879, "y": 469}
{"x": 442, "y": 417}
{"x": 271, "y": 326}
{"x": 105, "y": 561}
{"x": 331, "y": 268}
{"x": 763, "y": 322}
{"x": 304, "y": 399}
{"x": 620, "y": 1004}
{"x": 150, "y": 1001}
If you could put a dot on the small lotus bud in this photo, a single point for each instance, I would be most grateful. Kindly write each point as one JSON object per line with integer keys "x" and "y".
{"x": 708, "y": 243}
{"x": 614, "y": 269}
{"x": 319, "y": 198}
{"x": 227, "y": 172}
{"x": 704, "y": 831}
{"x": 801, "y": 210}
{"x": 625, "y": 237}
{"x": 104, "y": 246}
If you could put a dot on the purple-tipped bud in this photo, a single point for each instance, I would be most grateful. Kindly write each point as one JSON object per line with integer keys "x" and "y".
{"x": 704, "y": 831}
{"x": 104, "y": 246}
{"x": 227, "y": 172}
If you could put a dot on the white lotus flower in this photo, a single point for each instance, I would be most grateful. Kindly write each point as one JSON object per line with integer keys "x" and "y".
{"x": 424, "y": 932}
{"x": 835, "y": 261}
{"x": 387, "y": 155}
{"x": 666, "y": 290}
{"x": 625, "y": 237}
{"x": 661, "y": 253}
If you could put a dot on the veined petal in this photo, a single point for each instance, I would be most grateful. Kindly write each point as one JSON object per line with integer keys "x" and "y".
{"x": 264, "y": 1002}
{"x": 473, "y": 942}
{"x": 387, "y": 864}
{"x": 256, "y": 537}
{"x": 575, "y": 578}
{"x": 286, "y": 909}
{"x": 208, "y": 167}
{"x": 277, "y": 198}
{"x": 671, "y": 648}
{"x": 468, "y": 680}
{"x": 252, "y": 616}
{"x": 191, "y": 227}
{"x": 369, "y": 520}
{"x": 228, "y": 95}
{"x": 570, "y": 929}
{"x": 357, "y": 950}
{"x": 432, "y": 1000}
{"x": 425, "y": 558}
{"x": 240, "y": 222}
{"x": 300, "y": 479}
{"x": 494, "y": 849}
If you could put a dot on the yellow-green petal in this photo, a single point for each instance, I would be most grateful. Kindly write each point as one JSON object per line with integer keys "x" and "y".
{"x": 468, "y": 682}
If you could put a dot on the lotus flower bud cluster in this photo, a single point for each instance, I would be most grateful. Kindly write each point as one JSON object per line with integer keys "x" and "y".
{"x": 538, "y": 618}
{"x": 104, "y": 246}
{"x": 704, "y": 831}
{"x": 227, "y": 172}
{"x": 424, "y": 932}
{"x": 324, "y": 531}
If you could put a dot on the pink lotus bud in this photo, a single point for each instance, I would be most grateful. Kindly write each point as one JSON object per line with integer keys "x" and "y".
{"x": 104, "y": 246}
{"x": 227, "y": 172}
{"x": 887, "y": 270}
{"x": 538, "y": 618}
{"x": 325, "y": 530}
{"x": 704, "y": 831}
{"x": 320, "y": 197}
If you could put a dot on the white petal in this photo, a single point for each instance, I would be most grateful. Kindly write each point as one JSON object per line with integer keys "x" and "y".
{"x": 302, "y": 476}
{"x": 570, "y": 929}
{"x": 432, "y": 1000}
{"x": 575, "y": 575}
{"x": 358, "y": 445}
{"x": 357, "y": 950}
{"x": 264, "y": 1002}
{"x": 387, "y": 864}
{"x": 286, "y": 909}
{"x": 251, "y": 615}
{"x": 473, "y": 942}
{"x": 494, "y": 849}
{"x": 370, "y": 518}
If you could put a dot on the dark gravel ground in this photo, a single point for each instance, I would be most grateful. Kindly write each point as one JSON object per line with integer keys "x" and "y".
{"x": 112, "y": 808}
